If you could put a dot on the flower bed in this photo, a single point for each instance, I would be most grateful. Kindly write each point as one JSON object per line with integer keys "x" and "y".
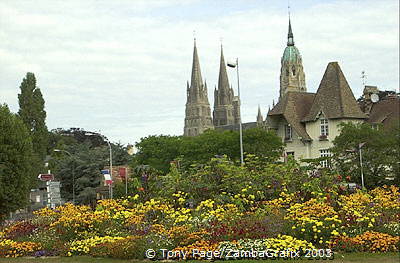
{"x": 360, "y": 221}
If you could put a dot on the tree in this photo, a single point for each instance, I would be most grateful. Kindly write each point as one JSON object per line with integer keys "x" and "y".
{"x": 160, "y": 151}
{"x": 380, "y": 154}
{"x": 15, "y": 162}
{"x": 262, "y": 143}
{"x": 85, "y": 162}
{"x": 32, "y": 113}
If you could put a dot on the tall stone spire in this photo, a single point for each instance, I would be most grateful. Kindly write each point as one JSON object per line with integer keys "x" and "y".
{"x": 292, "y": 76}
{"x": 290, "y": 35}
{"x": 223, "y": 97}
{"x": 260, "y": 118}
{"x": 198, "y": 112}
{"x": 196, "y": 80}
{"x": 223, "y": 82}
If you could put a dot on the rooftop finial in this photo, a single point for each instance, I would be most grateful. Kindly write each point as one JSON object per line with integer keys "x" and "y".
{"x": 194, "y": 36}
{"x": 364, "y": 77}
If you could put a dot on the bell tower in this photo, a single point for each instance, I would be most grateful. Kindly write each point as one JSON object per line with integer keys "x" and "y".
{"x": 292, "y": 76}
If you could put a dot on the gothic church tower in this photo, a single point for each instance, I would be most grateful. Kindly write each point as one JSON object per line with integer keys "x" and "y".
{"x": 197, "y": 113}
{"x": 292, "y": 75}
{"x": 224, "y": 110}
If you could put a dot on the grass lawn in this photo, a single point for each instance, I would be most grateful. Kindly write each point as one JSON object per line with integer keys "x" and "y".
{"x": 339, "y": 258}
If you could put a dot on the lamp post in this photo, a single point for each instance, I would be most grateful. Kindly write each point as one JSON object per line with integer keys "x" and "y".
{"x": 73, "y": 173}
{"x": 109, "y": 146}
{"x": 361, "y": 161}
{"x": 236, "y": 65}
{"x": 131, "y": 151}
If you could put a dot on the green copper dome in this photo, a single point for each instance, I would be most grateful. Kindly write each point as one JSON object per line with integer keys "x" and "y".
{"x": 291, "y": 54}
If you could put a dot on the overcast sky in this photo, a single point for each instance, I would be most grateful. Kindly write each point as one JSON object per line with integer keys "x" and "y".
{"x": 120, "y": 67}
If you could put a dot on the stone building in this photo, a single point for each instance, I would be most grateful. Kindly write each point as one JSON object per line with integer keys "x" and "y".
{"x": 381, "y": 107}
{"x": 226, "y": 108}
{"x": 292, "y": 76}
{"x": 197, "y": 113}
{"x": 307, "y": 122}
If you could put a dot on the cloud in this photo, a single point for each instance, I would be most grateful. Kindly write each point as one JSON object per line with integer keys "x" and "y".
{"x": 121, "y": 66}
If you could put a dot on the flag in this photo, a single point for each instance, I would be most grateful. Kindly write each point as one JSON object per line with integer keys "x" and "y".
{"x": 122, "y": 172}
{"x": 107, "y": 178}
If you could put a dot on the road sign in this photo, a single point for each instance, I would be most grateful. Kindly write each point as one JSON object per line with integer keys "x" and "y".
{"x": 53, "y": 193}
{"x": 46, "y": 177}
{"x": 105, "y": 171}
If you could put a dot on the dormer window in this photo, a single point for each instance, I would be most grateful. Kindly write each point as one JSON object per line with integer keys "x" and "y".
{"x": 324, "y": 127}
{"x": 288, "y": 132}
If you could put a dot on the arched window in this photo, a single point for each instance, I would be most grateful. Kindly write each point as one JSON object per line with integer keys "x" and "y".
{"x": 294, "y": 71}
{"x": 287, "y": 72}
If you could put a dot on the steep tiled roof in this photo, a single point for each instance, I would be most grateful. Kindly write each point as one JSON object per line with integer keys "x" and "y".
{"x": 386, "y": 112}
{"x": 334, "y": 97}
{"x": 294, "y": 106}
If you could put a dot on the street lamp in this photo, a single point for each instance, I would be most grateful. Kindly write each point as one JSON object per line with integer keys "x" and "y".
{"x": 73, "y": 173}
{"x": 361, "y": 161}
{"x": 109, "y": 146}
{"x": 236, "y": 65}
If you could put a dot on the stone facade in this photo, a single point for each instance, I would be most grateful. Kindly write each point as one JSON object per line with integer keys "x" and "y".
{"x": 197, "y": 113}
{"x": 225, "y": 109}
{"x": 309, "y": 122}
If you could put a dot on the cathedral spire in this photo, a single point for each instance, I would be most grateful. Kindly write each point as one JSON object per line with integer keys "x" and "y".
{"x": 223, "y": 83}
{"x": 290, "y": 35}
{"x": 224, "y": 108}
{"x": 197, "y": 112}
{"x": 196, "y": 80}
{"x": 259, "y": 115}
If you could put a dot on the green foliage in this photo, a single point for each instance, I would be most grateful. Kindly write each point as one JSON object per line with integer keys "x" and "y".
{"x": 32, "y": 113}
{"x": 120, "y": 187}
{"x": 15, "y": 162}
{"x": 223, "y": 180}
{"x": 84, "y": 167}
{"x": 380, "y": 154}
{"x": 85, "y": 162}
{"x": 160, "y": 151}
